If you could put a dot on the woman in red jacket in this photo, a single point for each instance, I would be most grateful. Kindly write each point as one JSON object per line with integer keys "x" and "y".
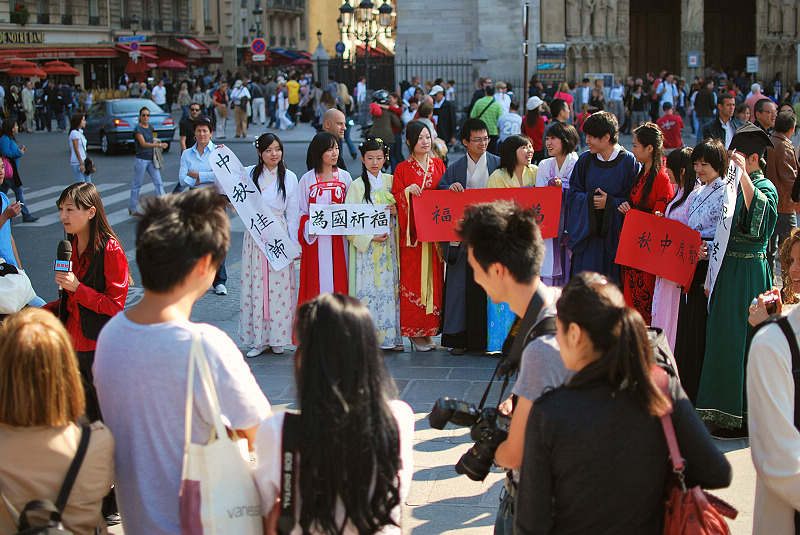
{"x": 96, "y": 287}
{"x": 652, "y": 193}
{"x": 533, "y": 127}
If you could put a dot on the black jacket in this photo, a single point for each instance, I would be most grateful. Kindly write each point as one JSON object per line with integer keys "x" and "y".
{"x": 714, "y": 128}
{"x": 446, "y": 120}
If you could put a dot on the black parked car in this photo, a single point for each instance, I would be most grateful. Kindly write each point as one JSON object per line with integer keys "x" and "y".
{"x": 110, "y": 123}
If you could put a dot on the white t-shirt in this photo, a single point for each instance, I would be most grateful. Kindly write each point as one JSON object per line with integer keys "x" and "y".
{"x": 77, "y": 159}
{"x": 140, "y": 376}
{"x": 268, "y": 465}
{"x": 160, "y": 95}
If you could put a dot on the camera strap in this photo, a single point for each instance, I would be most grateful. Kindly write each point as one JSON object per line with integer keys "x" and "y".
{"x": 289, "y": 450}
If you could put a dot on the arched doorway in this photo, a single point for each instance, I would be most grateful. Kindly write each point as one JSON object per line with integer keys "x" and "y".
{"x": 655, "y": 36}
{"x": 730, "y": 33}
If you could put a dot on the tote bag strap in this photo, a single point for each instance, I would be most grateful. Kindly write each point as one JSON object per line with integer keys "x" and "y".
{"x": 197, "y": 356}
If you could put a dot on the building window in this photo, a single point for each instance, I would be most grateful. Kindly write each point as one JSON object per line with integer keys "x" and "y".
{"x": 207, "y": 13}
{"x": 94, "y": 8}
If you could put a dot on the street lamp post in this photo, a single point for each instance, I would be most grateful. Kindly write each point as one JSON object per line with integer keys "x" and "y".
{"x": 257, "y": 12}
{"x": 362, "y": 24}
{"x": 134, "y": 24}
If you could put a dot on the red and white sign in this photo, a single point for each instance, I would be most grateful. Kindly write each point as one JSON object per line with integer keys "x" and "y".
{"x": 437, "y": 212}
{"x": 258, "y": 46}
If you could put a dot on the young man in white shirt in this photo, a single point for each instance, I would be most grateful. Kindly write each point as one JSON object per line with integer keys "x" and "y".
{"x": 142, "y": 356}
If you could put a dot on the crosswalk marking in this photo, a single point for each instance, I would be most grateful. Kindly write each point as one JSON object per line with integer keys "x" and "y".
{"x": 51, "y": 200}
{"x": 118, "y": 193}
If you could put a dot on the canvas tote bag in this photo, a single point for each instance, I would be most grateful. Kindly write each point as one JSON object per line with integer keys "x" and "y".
{"x": 218, "y": 495}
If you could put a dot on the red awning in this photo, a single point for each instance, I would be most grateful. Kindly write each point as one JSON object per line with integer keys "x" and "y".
{"x": 34, "y": 52}
{"x": 198, "y": 51}
{"x": 193, "y": 45}
{"x": 377, "y": 51}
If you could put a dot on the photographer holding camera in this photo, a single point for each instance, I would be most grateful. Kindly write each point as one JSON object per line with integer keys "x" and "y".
{"x": 505, "y": 250}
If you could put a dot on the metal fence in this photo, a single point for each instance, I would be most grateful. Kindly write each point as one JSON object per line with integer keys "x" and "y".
{"x": 390, "y": 72}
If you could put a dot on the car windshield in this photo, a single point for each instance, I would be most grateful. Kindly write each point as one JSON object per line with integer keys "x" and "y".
{"x": 133, "y": 106}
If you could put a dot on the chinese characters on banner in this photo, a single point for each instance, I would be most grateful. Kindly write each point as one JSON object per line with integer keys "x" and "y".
{"x": 436, "y": 213}
{"x": 257, "y": 217}
{"x": 718, "y": 247}
{"x": 660, "y": 246}
{"x": 348, "y": 219}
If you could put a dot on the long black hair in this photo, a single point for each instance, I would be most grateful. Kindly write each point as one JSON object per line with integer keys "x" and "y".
{"x": 372, "y": 143}
{"x": 320, "y": 144}
{"x": 649, "y": 134}
{"x": 7, "y": 129}
{"x": 618, "y": 332}
{"x": 349, "y": 439}
{"x": 263, "y": 143}
{"x": 679, "y": 162}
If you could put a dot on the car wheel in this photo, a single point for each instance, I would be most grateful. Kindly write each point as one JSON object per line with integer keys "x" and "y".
{"x": 168, "y": 146}
{"x": 105, "y": 144}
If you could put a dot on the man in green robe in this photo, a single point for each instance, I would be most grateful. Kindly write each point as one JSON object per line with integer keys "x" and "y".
{"x": 744, "y": 274}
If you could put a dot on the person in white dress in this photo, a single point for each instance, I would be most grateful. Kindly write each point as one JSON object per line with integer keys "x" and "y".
{"x": 268, "y": 297}
{"x": 666, "y": 293}
{"x": 561, "y": 140}
{"x": 373, "y": 262}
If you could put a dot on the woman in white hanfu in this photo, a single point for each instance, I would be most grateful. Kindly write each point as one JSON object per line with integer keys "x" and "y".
{"x": 373, "y": 268}
{"x": 268, "y": 297}
{"x": 561, "y": 139}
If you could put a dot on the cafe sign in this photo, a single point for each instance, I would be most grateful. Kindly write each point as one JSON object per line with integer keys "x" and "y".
{"x": 21, "y": 37}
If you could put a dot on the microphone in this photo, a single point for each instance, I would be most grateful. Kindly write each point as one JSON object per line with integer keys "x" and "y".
{"x": 63, "y": 256}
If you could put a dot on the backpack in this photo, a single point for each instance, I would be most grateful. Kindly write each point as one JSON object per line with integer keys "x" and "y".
{"x": 54, "y": 525}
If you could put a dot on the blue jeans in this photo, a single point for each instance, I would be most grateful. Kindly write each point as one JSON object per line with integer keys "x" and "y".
{"x": 139, "y": 167}
{"x": 273, "y": 116}
{"x": 18, "y": 194}
{"x": 396, "y": 151}
{"x": 222, "y": 274}
{"x": 783, "y": 227}
{"x": 504, "y": 523}
{"x": 347, "y": 139}
{"x": 701, "y": 123}
{"x": 62, "y": 119}
{"x": 79, "y": 176}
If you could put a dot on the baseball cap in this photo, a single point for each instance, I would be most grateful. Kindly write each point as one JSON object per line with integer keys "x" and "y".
{"x": 533, "y": 103}
{"x": 436, "y": 89}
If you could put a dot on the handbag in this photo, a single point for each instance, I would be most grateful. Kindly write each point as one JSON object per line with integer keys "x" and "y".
{"x": 689, "y": 511}
{"x": 9, "y": 169}
{"x": 54, "y": 525}
{"x": 88, "y": 166}
{"x": 16, "y": 290}
{"x": 218, "y": 493}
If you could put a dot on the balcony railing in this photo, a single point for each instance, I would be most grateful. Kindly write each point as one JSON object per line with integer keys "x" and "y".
{"x": 147, "y": 24}
{"x": 158, "y": 25}
{"x": 290, "y": 5}
{"x": 66, "y": 19}
{"x": 43, "y": 18}
{"x": 94, "y": 20}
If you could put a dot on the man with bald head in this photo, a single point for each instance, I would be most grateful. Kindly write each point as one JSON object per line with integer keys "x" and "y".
{"x": 333, "y": 122}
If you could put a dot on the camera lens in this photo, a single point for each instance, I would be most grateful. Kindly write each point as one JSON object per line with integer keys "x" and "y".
{"x": 476, "y": 462}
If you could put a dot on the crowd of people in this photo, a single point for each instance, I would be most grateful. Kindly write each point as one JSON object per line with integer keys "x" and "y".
{"x": 587, "y": 396}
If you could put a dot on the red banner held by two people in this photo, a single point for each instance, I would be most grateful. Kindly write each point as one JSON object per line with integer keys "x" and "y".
{"x": 437, "y": 212}
{"x": 661, "y": 246}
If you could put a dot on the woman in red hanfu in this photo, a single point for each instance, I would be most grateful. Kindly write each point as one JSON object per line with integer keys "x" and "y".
{"x": 420, "y": 264}
{"x": 651, "y": 193}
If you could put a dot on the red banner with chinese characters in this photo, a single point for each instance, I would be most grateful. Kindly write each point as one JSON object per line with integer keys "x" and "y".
{"x": 660, "y": 246}
{"x": 437, "y": 212}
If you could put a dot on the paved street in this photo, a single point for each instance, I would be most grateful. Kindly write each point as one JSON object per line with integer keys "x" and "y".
{"x": 440, "y": 501}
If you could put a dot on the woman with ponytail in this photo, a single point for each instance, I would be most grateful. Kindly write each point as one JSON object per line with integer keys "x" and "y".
{"x": 269, "y": 297}
{"x": 373, "y": 267}
{"x": 595, "y": 458}
{"x": 651, "y": 193}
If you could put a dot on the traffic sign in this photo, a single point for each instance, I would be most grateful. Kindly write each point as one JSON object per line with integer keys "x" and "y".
{"x": 134, "y": 45}
{"x": 134, "y": 54}
{"x": 259, "y": 46}
{"x": 132, "y": 38}
{"x": 259, "y": 57}
{"x": 340, "y": 47}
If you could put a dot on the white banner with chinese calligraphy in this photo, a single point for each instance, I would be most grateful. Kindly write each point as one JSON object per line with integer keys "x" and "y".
{"x": 717, "y": 248}
{"x": 348, "y": 219}
{"x": 257, "y": 217}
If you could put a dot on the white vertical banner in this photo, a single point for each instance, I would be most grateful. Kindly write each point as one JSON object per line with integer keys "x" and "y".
{"x": 716, "y": 252}
{"x": 257, "y": 217}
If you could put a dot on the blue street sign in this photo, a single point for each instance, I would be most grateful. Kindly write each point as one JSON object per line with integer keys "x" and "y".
{"x": 340, "y": 47}
{"x": 131, "y": 38}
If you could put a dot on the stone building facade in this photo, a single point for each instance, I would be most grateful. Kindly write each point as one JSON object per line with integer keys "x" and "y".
{"x": 607, "y": 36}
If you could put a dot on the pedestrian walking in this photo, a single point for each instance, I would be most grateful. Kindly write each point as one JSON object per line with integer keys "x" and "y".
{"x": 11, "y": 153}
{"x": 144, "y": 135}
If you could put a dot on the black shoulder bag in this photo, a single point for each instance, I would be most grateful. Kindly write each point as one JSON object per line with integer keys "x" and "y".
{"x": 289, "y": 451}
{"x": 54, "y": 525}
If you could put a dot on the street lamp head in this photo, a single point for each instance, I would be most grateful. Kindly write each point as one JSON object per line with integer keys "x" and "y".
{"x": 365, "y": 10}
{"x": 347, "y": 12}
{"x": 385, "y": 15}
{"x": 340, "y": 24}
{"x": 257, "y": 11}
{"x": 319, "y": 34}
{"x": 253, "y": 30}
{"x": 134, "y": 23}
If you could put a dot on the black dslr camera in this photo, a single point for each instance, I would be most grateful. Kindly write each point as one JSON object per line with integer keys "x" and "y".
{"x": 485, "y": 429}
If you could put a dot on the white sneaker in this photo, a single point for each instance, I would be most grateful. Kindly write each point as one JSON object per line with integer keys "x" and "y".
{"x": 277, "y": 349}
{"x": 256, "y": 351}
{"x": 220, "y": 289}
